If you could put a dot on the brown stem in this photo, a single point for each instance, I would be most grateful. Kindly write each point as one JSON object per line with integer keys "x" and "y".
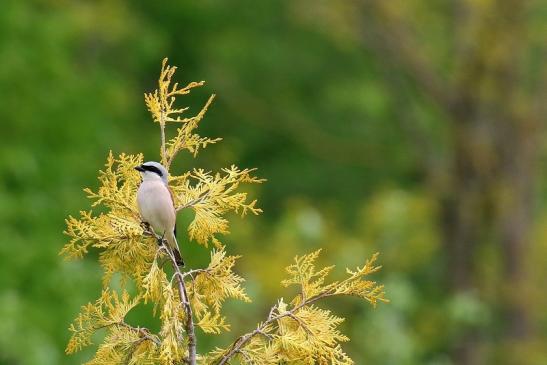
{"x": 163, "y": 151}
{"x": 189, "y": 325}
{"x": 189, "y": 320}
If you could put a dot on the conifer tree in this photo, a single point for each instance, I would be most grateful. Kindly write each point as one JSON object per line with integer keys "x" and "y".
{"x": 294, "y": 332}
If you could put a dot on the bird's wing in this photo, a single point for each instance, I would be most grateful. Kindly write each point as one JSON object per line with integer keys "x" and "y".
{"x": 174, "y": 207}
{"x": 172, "y": 195}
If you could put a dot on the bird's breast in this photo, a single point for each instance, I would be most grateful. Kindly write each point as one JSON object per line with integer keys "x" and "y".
{"x": 156, "y": 206}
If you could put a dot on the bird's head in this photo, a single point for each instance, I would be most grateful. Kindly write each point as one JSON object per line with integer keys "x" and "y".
{"x": 152, "y": 170}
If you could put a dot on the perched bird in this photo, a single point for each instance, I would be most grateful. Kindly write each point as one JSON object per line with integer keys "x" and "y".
{"x": 156, "y": 204}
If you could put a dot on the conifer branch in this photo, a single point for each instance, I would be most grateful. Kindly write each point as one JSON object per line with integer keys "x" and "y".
{"x": 313, "y": 289}
{"x": 184, "y": 139}
{"x": 189, "y": 325}
{"x": 142, "y": 331}
{"x": 191, "y": 273}
{"x": 183, "y": 295}
{"x": 193, "y": 202}
{"x": 292, "y": 333}
{"x": 162, "y": 131}
{"x": 160, "y": 103}
{"x": 236, "y": 347}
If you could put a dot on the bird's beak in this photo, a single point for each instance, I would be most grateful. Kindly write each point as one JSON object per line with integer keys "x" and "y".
{"x": 139, "y": 168}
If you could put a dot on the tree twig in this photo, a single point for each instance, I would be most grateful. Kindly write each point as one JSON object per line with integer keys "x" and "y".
{"x": 192, "y": 202}
{"x": 143, "y": 332}
{"x": 195, "y": 271}
{"x": 189, "y": 324}
{"x": 243, "y": 340}
{"x": 162, "y": 129}
{"x": 192, "y": 343}
{"x": 132, "y": 350}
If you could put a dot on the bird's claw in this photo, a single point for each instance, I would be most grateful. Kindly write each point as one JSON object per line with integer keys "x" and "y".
{"x": 145, "y": 226}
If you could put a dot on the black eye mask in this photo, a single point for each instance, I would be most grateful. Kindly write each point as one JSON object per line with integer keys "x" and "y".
{"x": 153, "y": 169}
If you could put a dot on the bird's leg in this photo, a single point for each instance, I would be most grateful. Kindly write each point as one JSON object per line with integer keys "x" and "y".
{"x": 160, "y": 240}
{"x": 145, "y": 226}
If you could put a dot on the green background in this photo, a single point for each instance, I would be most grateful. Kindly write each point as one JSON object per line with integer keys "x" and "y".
{"x": 412, "y": 128}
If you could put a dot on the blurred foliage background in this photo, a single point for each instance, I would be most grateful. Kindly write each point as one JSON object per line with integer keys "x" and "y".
{"x": 410, "y": 127}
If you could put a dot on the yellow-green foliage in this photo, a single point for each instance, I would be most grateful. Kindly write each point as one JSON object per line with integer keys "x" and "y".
{"x": 297, "y": 332}
{"x": 300, "y": 332}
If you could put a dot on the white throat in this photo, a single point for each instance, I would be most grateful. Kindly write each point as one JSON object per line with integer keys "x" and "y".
{"x": 150, "y": 176}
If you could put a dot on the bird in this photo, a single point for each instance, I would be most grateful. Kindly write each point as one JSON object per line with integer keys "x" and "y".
{"x": 156, "y": 205}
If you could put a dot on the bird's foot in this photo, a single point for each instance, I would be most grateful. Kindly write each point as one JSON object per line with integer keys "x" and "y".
{"x": 145, "y": 226}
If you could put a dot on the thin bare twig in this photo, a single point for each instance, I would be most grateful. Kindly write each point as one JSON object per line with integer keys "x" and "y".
{"x": 189, "y": 325}
{"x": 195, "y": 271}
{"x": 162, "y": 129}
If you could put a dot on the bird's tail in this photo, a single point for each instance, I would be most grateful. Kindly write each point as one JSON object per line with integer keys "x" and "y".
{"x": 173, "y": 244}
